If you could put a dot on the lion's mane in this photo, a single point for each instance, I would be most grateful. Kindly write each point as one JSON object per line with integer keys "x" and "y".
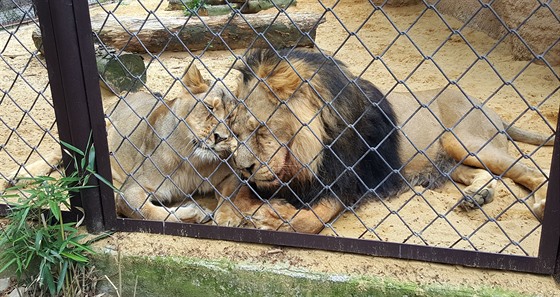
{"x": 359, "y": 156}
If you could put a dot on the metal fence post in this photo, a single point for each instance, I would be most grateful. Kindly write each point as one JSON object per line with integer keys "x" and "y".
{"x": 68, "y": 47}
{"x": 549, "y": 251}
{"x": 553, "y": 200}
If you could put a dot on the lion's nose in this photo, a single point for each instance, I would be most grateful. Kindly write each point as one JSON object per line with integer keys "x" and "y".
{"x": 250, "y": 169}
{"x": 218, "y": 138}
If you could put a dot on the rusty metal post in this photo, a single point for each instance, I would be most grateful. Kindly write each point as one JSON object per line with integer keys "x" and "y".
{"x": 68, "y": 47}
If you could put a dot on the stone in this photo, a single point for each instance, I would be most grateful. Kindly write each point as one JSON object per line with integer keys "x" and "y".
{"x": 533, "y": 25}
{"x": 4, "y": 284}
{"x": 19, "y": 292}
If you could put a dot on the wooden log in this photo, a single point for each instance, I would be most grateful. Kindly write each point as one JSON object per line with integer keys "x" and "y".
{"x": 180, "y": 34}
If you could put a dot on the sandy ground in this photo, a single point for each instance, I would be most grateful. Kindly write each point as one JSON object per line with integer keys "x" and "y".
{"x": 27, "y": 107}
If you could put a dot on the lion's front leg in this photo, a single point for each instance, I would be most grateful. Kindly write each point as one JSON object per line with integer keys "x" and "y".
{"x": 279, "y": 215}
{"x": 247, "y": 210}
{"x": 232, "y": 209}
{"x": 135, "y": 202}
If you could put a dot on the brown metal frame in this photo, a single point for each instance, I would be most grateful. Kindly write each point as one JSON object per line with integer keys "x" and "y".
{"x": 66, "y": 29}
{"x": 69, "y": 52}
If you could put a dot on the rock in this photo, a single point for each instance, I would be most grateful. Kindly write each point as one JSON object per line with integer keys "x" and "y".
{"x": 19, "y": 292}
{"x": 534, "y": 23}
{"x": 4, "y": 284}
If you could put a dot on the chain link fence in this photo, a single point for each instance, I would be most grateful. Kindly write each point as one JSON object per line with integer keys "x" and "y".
{"x": 316, "y": 133}
{"x": 28, "y": 121}
{"x": 16, "y": 11}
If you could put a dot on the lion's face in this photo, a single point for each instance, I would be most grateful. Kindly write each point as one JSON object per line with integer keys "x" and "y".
{"x": 280, "y": 133}
{"x": 207, "y": 115}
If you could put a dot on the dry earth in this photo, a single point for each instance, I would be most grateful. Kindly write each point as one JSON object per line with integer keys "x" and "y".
{"x": 24, "y": 107}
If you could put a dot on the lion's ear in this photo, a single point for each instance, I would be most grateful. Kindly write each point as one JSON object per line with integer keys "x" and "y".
{"x": 194, "y": 81}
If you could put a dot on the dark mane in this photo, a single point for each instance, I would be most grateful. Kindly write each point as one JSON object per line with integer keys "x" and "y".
{"x": 360, "y": 156}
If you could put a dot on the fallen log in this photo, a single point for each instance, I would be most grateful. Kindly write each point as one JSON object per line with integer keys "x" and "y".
{"x": 207, "y": 33}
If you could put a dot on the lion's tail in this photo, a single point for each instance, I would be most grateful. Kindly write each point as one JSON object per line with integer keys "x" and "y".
{"x": 525, "y": 136}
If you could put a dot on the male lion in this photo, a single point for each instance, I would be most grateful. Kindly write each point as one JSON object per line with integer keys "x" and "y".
{"x": 163, "y": 152}
{"x": 315, "y": 139}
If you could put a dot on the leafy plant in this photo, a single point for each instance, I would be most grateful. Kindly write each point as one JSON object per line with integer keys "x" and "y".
{"x": 36, "y": 234}
{"x": 191, "y": 6}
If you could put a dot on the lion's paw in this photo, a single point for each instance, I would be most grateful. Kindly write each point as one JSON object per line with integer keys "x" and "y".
{"x": 22, "y": 176}
{"x": 538, "y": 209}
{"x": 540, "y": 201}
{"x": 477, "y": 197}
{"x": 227, "y": 218}
{"x": 192, "y": 213}
{"x": 267, "y": 219}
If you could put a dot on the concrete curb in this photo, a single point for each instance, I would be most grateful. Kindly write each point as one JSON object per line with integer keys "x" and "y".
{"x": 184, "y": 276}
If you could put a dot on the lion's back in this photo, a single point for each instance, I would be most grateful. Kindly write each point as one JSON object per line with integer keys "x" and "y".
{"x": 128, "y": 130}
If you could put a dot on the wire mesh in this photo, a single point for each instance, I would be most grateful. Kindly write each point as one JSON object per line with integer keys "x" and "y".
{"x": 13, "y": 12}
{"x": 169, "y": 166}
{"x": 28, "y": 123}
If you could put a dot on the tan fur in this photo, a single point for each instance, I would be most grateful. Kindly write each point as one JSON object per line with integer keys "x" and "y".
{"x": 162, "y": 151}
{"x": 474, "y": 140}
{"x": 178, "y": 151}
{"x": 282, "y": 123}
{"x": 474, "y": 131}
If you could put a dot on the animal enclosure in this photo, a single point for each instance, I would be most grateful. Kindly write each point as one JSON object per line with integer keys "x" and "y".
{"x": 413, "y": 48}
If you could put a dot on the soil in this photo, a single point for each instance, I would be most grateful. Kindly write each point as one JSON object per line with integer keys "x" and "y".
{"x": 530, "y": 99}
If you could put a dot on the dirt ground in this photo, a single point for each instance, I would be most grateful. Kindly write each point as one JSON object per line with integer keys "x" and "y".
{"x": 452, "y": 58}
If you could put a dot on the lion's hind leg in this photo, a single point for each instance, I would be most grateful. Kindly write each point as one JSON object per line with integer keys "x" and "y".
{"x": 480, "y": 185}
{"x": 500, "y": 163}
{"x": 485, "y": 155}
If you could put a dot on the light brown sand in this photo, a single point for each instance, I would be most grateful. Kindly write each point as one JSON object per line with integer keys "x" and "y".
{"x": 400, "y": 61}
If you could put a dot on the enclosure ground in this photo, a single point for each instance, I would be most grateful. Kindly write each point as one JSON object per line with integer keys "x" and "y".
{"x": 452, "y": 58}
{"x": 176, "y": 266}
{"x": 514, "y": 230}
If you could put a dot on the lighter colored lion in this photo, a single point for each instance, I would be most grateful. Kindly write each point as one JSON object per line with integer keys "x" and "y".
{"x": 165, "y": 151}
{"x": 314, "y": 140}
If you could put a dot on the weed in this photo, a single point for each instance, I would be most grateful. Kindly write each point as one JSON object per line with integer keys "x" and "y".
{"x": 36, "y": 243}
{"x": 191, "y": 6}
